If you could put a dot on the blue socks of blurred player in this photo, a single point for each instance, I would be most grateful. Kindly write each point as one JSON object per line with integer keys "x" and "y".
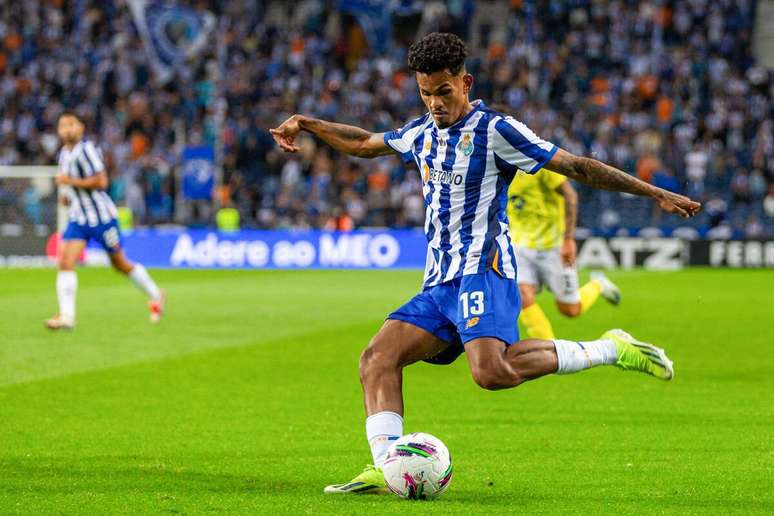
{"x": 576, "y": 356}
{"x": 139, "y": 275}
{"x": 382, "y": 429}
{"x": 66, "y": 287}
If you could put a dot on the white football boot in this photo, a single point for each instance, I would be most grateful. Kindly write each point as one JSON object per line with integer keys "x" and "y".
{"x": 610, "y": 290}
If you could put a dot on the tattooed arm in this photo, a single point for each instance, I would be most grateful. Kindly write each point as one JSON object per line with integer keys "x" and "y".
{"x": 599, "y": 175}
{"x": 344, "y": 138}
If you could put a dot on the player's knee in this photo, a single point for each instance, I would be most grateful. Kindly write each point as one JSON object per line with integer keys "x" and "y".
{"x": 486, "y": 380}
{"x": 373, "y": 363}
{"x": 569, "y": 310}
{"x": 66, "y": 262}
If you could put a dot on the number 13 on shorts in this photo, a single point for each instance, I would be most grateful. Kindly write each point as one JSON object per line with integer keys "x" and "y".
{"x": 472, "y": 303}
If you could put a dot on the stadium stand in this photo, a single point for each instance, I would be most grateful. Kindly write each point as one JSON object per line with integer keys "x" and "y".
{"x": 667, "y": 90}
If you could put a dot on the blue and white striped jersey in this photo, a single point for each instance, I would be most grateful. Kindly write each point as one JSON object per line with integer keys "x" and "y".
{"x": 87, "y": 207}
{"x": 466, "y": 169}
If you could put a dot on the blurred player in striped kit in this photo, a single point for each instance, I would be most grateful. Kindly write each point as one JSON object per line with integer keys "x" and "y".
{"x": 92, "y": 217}
{"x": 542, "y": 214}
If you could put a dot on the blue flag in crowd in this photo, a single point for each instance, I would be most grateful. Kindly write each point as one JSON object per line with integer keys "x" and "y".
{"x": 374, "y": 18}
{"x": 171, "y": 34}
{"x": 198, "y": 173}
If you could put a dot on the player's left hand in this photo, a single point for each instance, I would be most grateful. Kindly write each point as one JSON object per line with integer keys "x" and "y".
{"x": 679, "y": 204}
{"x": 63, "y": 179}
{"x": 569, "y": 251}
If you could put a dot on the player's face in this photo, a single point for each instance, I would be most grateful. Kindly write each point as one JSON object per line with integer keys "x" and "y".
{"x": 445, "y": 95}
{"x": 70, "y": 130}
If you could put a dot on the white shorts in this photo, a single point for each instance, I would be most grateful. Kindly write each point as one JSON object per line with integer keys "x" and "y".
{"x": 540, "y": 268}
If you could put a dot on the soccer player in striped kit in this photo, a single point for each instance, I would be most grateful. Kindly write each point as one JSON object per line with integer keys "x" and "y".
{"x": 467, "y": 155}
{"x": 92, "y": 215}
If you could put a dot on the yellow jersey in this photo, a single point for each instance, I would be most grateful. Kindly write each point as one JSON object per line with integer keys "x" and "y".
{"x": 536, "y": 210}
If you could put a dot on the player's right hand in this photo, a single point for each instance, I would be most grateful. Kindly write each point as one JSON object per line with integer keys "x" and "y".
{"x": 64, "y": 200}
{"x": 286, "y": 133}
{"x": 676, "y": 203}
{"x": 568, "y": 252}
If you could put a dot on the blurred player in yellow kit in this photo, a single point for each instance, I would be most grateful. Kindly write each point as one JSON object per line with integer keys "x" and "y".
{"x": 542, "y": 211}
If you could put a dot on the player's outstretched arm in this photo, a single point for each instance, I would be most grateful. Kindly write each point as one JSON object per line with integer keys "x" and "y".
{"x": 344, "y": 138}
{"x": 599, "y": 175}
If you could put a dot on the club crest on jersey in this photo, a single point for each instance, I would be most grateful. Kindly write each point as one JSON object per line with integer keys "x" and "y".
{"x": 466, "y": 145}
{"x": 428, "y": 144}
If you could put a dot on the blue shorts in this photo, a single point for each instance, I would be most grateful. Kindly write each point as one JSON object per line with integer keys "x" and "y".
{"x": 106, "y": 235}
{"x": 466, "y": 308}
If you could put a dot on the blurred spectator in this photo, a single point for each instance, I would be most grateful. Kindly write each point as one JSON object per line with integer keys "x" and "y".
{"x": 32, "y": 207}
{"x": 740, "y": 187}
{"x": 664, "y": 179}
{"x": 716, "y": 209}
{"x": 754, "y": 228}
{"x": 339, "y": 221}
{"x": 768, "y": 202}
{"x": 757, "y": 184}
{"x": 696, "y": 164}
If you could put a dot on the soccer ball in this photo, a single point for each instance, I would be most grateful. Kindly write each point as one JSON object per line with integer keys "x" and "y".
{"x": 418, "y": 466}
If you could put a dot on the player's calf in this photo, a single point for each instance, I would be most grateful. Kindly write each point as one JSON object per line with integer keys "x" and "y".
{"x": 495, "y": 379}
{"x": 120, "y": 263}
{"x": 396, "y": 345}
{"x": 140, "y": 277}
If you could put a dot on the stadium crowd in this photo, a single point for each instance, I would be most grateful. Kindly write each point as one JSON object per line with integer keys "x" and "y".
{"x": 671, "y": 93}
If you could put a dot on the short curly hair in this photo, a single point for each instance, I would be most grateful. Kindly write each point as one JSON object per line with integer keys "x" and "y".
{"x": 436, "y": 52}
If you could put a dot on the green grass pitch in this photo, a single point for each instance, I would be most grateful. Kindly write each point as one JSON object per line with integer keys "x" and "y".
{"x": 245, "y": 399}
